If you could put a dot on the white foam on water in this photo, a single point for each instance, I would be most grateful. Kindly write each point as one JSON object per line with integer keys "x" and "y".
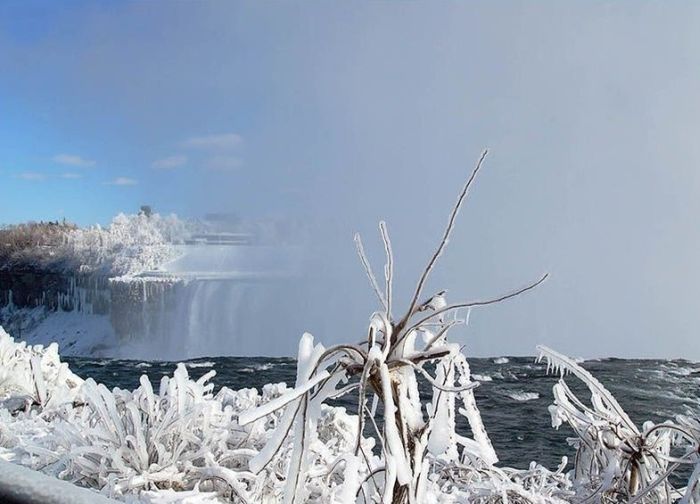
{"x": 205, "y": 364}
{"x": 682, "y": 371}
{"x": 522, "y": 396}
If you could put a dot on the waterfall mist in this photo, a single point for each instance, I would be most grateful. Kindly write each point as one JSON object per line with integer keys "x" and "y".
{"x": 215, "y": 300}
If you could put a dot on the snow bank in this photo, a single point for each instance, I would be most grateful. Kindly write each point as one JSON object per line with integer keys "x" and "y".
{"x": 76, "y": 333}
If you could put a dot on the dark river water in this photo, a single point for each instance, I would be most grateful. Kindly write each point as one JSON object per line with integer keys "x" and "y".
{"x": 513, "y": 396}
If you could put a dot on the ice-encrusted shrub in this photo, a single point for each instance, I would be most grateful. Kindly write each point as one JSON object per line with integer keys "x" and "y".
{"x": 422, "y": 456}
{"x": 692, "y": 490}
{"x": 142, "y": 439}
{"x": 177, "y": 437}
{"x": 34, "y": 375}
{"x": 484, "y": 484}
{"x": 615, "y": 460}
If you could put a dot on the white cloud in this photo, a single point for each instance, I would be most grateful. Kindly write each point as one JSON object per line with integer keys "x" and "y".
{"x": 33, "y": 176}
{"x": 222, "y": 163}
{"x": 72, "y": 160}
{"x": 122, "y": 181}
{"x": 70, "y": 175}
{"x": 169, "y": 163}
{"x": 223, "y": 141}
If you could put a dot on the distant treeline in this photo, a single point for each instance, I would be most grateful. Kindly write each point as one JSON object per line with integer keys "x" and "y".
{"x": 130, "y": 244}
{"x": 21, "y": 244}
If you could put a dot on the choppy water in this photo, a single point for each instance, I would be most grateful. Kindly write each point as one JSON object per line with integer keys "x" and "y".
{"x": 513, "y": 396}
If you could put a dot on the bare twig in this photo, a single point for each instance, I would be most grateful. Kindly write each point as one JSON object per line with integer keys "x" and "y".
{"x": 442, "y": 332}
{"x": 368, "y": 270}
{"x": 472, "y": 304}
{"x": 445, "y": 239}
{"x": 435, "y": 384}
{"x": 388, "y": 267}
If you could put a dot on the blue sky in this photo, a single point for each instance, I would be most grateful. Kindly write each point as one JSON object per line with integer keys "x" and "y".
{"x": 346, "y": 113}
{"x": 146, "y": 103}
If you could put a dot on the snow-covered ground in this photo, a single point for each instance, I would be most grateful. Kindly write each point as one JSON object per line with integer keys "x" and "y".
{"x": 75, "y": 333}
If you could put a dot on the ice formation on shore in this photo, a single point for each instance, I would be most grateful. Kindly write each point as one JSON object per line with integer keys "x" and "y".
{"x": 147, "y": 442}
{"x": 178, "y": 442}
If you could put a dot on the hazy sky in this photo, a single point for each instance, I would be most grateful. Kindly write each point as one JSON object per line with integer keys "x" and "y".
{"x": 346, "y": 113}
